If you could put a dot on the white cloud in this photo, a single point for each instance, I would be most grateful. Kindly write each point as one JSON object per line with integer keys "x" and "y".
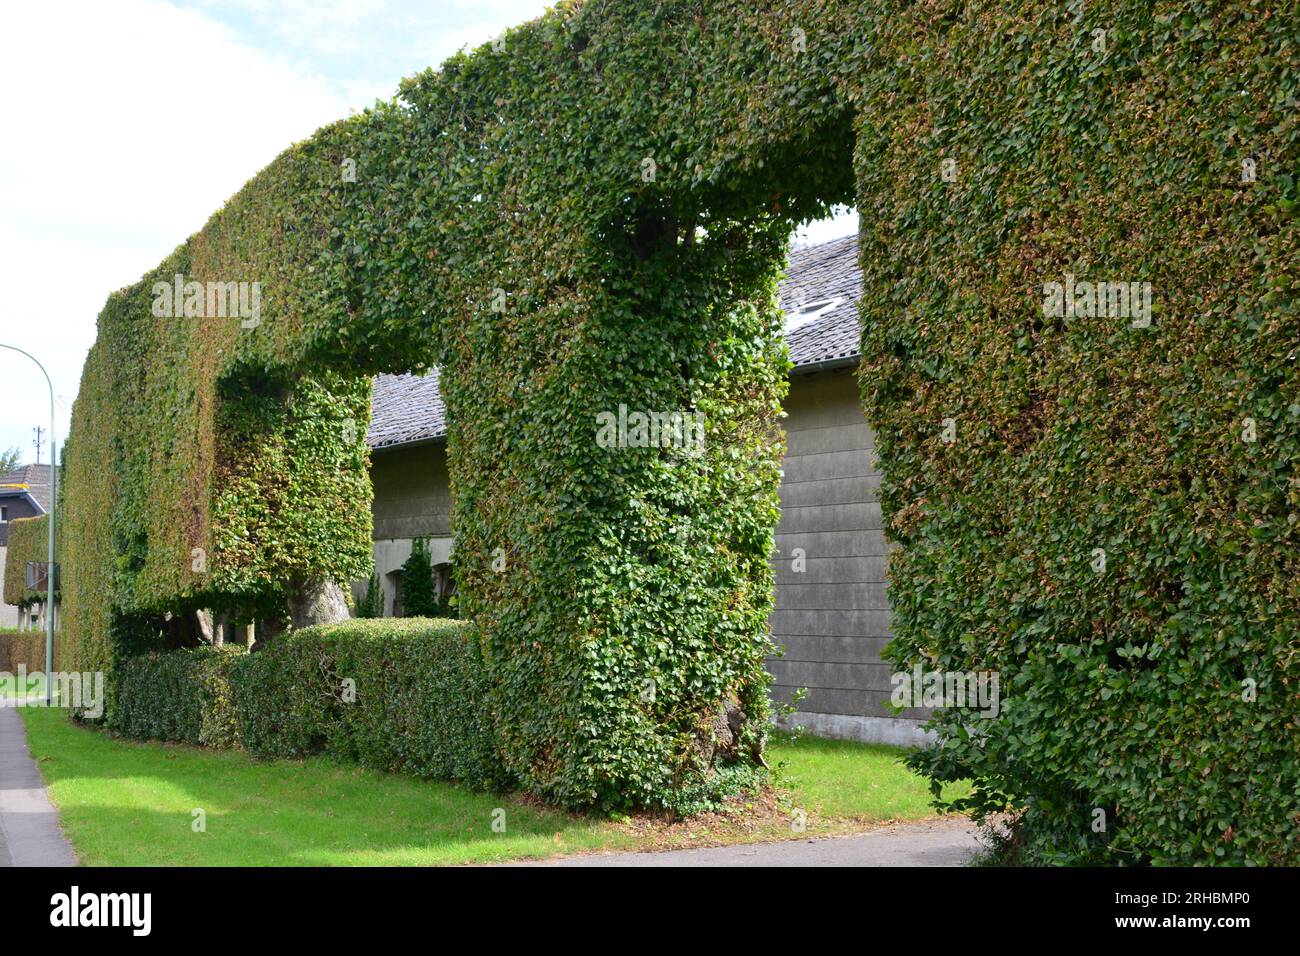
{"x": 130, "y": 123}
{"x": 374, "y": 42}
{"x": 844, "y": 222}
{"x": 135, "y": 121}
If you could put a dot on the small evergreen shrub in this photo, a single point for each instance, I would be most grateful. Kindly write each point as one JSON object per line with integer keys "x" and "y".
{"x": 419, "y": 596}
{"x": 372, "y": 605}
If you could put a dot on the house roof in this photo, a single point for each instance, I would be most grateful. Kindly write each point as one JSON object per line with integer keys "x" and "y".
{"x": 406, "y": 409}
{"x": 819, "y": 297}
{"x": 37, "y": 479}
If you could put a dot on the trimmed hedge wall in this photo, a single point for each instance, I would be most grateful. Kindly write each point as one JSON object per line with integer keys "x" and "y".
{"x": 29, "y": 540}
{"x": 408, "y": 695}
{"x": 27, "y": 647}
{"x": 593, "y": 213}
{"x": 181, "y": 696}
{"x": 1106, "y": 141}
{"x": 553, "y": 275}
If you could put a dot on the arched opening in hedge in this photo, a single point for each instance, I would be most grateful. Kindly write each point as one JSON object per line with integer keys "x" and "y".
{"x": 559, "y": 265}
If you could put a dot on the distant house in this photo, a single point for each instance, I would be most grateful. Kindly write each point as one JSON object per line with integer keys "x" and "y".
{"x": 20, "y": 502}
{"x": 832, "y": 617}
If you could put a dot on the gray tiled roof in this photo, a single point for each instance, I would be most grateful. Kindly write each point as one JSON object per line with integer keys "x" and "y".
{"x": 818, "y": 274}
{"x": 37, "y": 479}
{"x": 405, "y": 409}
{"x": 408, "y": 408}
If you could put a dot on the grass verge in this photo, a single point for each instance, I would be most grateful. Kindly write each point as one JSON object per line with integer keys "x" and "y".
{"x": 123, "y": 803}
{"x": 9, "y": 685}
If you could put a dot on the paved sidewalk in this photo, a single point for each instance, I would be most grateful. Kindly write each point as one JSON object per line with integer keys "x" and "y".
{"x": 944, "y": 842}
{"x": 29, "y": 824}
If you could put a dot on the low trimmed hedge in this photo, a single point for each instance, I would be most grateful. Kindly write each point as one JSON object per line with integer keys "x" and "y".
{"x": 180, "y": 696}
{"x": 404, "y": 695}
{"x": 25, "y": 647}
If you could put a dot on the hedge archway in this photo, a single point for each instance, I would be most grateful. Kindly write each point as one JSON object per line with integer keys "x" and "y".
{"x": 593, "y": 211}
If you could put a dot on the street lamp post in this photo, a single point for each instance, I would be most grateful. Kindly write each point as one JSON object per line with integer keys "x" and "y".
{"x": 49, "y": 573}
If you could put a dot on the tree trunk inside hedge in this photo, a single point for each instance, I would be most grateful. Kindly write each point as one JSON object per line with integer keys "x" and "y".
{"x": 177, "y": 631}
{"x": 203, "y": 625}
{"x": 317, "y": 602}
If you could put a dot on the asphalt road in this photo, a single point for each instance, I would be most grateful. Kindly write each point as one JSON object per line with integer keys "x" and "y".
{"x": 944, "y": 842}
{"x": 29, "y": 824}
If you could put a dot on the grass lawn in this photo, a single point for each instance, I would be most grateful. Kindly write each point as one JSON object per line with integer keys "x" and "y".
{"x": 842, "y": 780}
{"x": 123, "y": 803}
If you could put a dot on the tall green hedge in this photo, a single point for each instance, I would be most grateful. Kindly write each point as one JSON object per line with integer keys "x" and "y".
{"x": 1127, "y": 684}
{"x": 29, "y": 540}
{"x": 593, "y": 213}
{"x": 527, "y": 249}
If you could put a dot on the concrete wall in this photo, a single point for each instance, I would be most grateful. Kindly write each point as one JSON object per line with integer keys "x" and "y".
{"x": 832, "y": 617}
{"x": 412, "y": 492}
{"x": 412, "y": 499}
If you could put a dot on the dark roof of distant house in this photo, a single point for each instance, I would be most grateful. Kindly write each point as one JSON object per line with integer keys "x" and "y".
{"x": 819, "y": 297}
{"x": 406, "y": 409}
{"x": 37, "y": 480}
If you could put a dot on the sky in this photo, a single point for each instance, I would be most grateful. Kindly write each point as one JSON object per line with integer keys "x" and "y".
{"x": 131, "y": 121}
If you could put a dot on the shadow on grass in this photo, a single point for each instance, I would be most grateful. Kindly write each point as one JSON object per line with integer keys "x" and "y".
{"x": 123, "y": 802}
{"x": 127, "y": 803}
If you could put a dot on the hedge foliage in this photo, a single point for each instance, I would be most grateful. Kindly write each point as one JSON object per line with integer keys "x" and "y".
{"x": 27, "y": 648}
{"x": 594, "y": 211}
{"x": 29, "y": 540}
{"x": 404, "y": 695}
{"x": 181, "y": 696}
{"x": 194, "y": 482}
{"x": 1084, "y": 438}
{"x": 510, "y": 231}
